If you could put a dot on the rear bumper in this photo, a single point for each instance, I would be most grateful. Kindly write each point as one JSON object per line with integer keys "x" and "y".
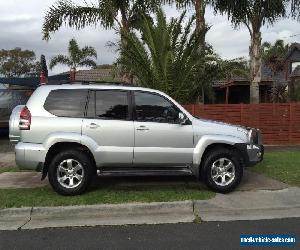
{"x": 30, "y": 156}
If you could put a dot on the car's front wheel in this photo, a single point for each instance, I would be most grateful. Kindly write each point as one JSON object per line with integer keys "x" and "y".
{"x": 222, "y": 170}
{"x": 70, "y": 172}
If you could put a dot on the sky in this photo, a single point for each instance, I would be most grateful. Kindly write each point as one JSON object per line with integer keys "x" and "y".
{"x": 21, "y": 22}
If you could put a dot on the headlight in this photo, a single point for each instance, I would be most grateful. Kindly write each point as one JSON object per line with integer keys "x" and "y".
{"x": 250, "y": 136}
{"x": 253, "y": 137}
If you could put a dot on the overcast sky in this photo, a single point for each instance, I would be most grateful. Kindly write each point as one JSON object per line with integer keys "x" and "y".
{"x": 21, "y": 22}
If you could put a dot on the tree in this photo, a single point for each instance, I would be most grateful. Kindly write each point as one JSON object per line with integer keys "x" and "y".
{"x": 199, "y": 7}
{"x": 254, "y": 14}
{"x": 166, "y": 56}
{"x": 279, "y": 49}
{"x": 273, "y": 57}
{"x": 77, "y": 57}
{"x": 103, "y": 12}
{"x": 238, "y": 67}
{"x": 18, "y": 63}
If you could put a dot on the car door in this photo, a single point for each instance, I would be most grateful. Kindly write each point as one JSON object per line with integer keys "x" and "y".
{"x": 159, "y": 138}
{"x": 108, "y": 123}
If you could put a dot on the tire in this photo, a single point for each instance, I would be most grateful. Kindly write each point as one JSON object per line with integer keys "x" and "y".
{"x": 70, "y": 172}
{"x": 222, "y": 170}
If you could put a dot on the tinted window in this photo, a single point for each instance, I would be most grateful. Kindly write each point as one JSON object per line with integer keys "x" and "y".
{"x": 109, "y": 105}
{"x": 66, "y": 102}
{"x": 154, "y": 108}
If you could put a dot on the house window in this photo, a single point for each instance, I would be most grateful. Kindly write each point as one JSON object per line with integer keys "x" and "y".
{"x": 294, "y": 65}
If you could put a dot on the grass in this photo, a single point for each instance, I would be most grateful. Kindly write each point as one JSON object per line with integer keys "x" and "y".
{"x": 103, "y": 195}
{"x": 282, "y": 166}
{"x": 11, "y": 169}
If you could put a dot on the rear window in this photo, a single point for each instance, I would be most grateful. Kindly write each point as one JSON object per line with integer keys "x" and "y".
{"x": 67, "y": 102}
{"x": 108, "y": 105}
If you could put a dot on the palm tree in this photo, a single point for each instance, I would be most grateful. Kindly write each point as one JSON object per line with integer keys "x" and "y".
{"x": 77, "y": 57}
{"x": 199, "y": 7}
{"x": 279, "y": 49}
{"x": 254, "y": 14}
{"x": 103, "y": 12}
{"x": 166, "y": 56}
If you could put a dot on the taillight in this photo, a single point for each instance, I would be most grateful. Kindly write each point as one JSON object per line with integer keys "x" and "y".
{"x": 25, "y": 119}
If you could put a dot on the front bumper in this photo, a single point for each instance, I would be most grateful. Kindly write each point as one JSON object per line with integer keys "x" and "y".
{"x": 255, "y": 154}
{"x": 252, "y": 154}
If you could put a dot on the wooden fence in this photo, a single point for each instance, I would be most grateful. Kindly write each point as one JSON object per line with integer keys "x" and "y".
{"x": 279, "y": 123}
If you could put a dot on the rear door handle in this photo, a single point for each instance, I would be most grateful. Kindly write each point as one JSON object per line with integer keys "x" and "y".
{"x": 142, "y": 128}
{"x": 93, "y": 125}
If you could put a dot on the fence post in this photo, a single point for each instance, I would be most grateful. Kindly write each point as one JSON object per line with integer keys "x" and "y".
{"x": 290, "y": 123}
{"x": 241, "y": 114}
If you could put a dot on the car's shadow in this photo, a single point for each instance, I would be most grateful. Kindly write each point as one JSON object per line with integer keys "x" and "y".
{"x": 135, "y": 181}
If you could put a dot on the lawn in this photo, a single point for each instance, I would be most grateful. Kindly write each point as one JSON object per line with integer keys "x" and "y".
{"x": 11, "y": 169}
{"x": 282, "y": 166}
{"x": 107, "y": 194}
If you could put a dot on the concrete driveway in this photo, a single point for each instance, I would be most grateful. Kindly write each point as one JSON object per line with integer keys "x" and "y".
{"x": 251, "y": 181}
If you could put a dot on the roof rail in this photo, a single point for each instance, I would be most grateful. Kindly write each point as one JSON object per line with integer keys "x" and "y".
{"x": 96, "y": 82}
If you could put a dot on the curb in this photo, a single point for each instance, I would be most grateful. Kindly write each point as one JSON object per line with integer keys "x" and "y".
{"x": 92, "y": 215}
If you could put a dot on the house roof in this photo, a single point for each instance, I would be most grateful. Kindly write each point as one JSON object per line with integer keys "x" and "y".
{"x": 293, "y": 47}
{"x": 93, "y": 75}
{"x": 266, "y": 73}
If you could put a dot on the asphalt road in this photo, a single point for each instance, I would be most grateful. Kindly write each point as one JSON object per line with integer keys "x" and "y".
{"x": 206, "y": 235}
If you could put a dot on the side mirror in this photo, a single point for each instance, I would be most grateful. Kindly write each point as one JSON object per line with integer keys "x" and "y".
{"x": 183, "y": 120}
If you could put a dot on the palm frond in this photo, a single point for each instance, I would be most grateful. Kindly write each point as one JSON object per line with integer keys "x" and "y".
{"x": 167, "y": 56}
{"x": 65, "y": 12}
{"x": 60, "y": 59}
{"x": 88, "y": 51}
{"x": 87, "y": 63}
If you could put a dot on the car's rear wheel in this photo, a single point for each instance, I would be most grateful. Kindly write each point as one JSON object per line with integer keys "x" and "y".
{"x": 222, "y": 170}
{"x": 70, "y": 172}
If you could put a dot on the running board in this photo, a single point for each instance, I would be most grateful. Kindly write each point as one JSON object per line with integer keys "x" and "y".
{"x": 144, "y": 172}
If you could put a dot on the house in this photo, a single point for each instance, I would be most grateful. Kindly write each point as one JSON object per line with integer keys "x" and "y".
{"x": 98, "y": 74}
{"x": 237, "y": 90}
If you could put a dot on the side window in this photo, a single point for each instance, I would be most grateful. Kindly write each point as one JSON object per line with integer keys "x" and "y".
{"x": 66, "y": 102}
{"x": 154, "y": 108}
{"x": 108, "y": 105}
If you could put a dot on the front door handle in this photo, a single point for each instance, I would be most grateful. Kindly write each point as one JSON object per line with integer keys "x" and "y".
{"x": 142, "y": 128}
{"x": 93, "y": 126}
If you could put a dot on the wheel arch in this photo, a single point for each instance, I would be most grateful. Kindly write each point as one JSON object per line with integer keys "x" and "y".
{"x": 60, "y": 146}
{"x": 214, "y": 146}
{"x": 210, "y": 142}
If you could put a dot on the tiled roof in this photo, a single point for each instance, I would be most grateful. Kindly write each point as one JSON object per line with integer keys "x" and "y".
{"x": 293, "y": 47}
{"x": 94, "y": 75}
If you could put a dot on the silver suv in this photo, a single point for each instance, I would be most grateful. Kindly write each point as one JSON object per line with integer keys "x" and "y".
{"x": 72, "y": 132}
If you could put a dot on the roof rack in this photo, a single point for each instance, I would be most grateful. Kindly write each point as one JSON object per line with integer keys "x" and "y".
{"x": 96, "y": 82}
